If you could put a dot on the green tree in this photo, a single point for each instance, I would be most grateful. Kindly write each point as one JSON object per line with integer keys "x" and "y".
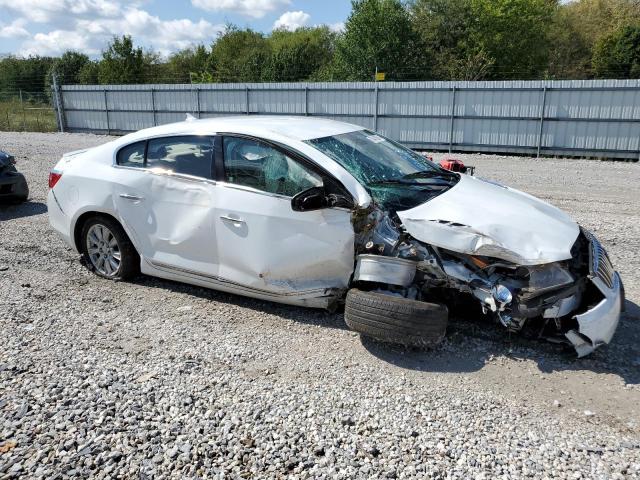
{"x": 515, "y": 34}
{"x": 26, "y": 74}
{"x": 473, "y": 39}
{"x": 298, "y": 55}
{"x": 122, "y": 63}
{"x": 89, "y": 73}
{"x": 240, "y": 55}
{"x": 576, "y": 29}
{"x": 378, "y": 33}
{"x": 617, "y": 55}
{"x": 569, "y": 49}
{"x": 67, "y": 68}
{"x": 445, "y": 28}
{"x": 194, "y": 64}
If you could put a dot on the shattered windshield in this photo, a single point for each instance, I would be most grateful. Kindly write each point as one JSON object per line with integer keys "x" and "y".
{"x": 396, "y": 177}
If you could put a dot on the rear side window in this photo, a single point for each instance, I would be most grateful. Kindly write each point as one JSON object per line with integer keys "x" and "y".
{"x": 132, "y": 155}
{"x": 189, "y": 155}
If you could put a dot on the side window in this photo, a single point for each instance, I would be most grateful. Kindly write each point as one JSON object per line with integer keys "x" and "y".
{"x": 189, "y": 155}
{"x": 131, "y": 155}
{"x": 257, "y": 165}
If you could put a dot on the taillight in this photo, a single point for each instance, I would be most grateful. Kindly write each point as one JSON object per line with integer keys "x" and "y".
{"x": 54, "y": 177}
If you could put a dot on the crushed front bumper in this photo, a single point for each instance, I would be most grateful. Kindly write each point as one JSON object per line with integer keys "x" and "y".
{"x": 597, "y": 325}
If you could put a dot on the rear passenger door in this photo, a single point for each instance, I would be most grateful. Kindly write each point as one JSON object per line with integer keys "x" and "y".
{"x": 165, "y": 199}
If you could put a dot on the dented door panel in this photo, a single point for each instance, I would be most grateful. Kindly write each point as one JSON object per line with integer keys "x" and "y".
{"x": 265, "y": 245}
{"x": 171, "y": 221}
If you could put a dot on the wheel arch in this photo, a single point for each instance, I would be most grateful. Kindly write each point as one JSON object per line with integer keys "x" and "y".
{"x": 84, "y": 217}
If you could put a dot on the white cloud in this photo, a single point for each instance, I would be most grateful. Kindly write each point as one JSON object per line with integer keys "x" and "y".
{"x": 56, "y": 42}
{"x": 14, "y": 30}
{"x": 91, "y": 35}
{"x": 291, "y": 20}
{"x": 46, "y": 11}
{"x": 336, "y": 27}
{"x": 249, "y": 8}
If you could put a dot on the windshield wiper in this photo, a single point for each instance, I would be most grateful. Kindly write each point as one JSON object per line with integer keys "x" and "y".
{"x": 391, "y": 181}
{"x": 429, "y": 174}
{"x": 439, "y": 181}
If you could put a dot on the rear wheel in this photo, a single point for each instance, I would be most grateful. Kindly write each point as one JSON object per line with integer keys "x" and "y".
{"x": 107, "y": 250}
{"x": 396, "y": 319}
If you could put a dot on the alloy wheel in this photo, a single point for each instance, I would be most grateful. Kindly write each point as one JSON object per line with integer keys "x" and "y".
{"x": 103, "y": 250}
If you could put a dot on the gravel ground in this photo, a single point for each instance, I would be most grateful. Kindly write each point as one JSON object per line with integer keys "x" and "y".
{"x": 155, "y": 379}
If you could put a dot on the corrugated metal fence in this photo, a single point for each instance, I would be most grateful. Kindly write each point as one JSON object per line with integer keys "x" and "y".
{"x": 592, "y": 118}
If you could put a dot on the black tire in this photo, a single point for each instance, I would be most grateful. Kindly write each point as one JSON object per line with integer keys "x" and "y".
{"x": 396, "y": 319}
{"x": 129, "y": 259}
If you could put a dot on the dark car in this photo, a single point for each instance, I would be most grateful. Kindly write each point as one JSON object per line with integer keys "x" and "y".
{"x": 13, "y": 185}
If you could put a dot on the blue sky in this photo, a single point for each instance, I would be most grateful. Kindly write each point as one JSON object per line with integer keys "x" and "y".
{"x": 49, "y": 27}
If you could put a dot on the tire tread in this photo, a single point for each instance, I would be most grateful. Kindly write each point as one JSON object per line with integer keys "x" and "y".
{"x": 395, "y": 319}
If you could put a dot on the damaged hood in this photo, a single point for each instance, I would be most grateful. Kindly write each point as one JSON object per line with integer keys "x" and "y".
{"x": 477, "y": 217}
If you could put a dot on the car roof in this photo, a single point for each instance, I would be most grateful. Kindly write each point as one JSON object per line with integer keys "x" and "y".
{"x": 264, "y": 126}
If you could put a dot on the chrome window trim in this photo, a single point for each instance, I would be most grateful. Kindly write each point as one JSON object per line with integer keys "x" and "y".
{"x": 180, "y": 176}
{"x": 267, "y": 194}
{"x": 246, "y": 188}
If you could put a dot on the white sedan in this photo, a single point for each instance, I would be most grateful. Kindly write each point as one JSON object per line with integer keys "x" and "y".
{"x": 310, "y": 211}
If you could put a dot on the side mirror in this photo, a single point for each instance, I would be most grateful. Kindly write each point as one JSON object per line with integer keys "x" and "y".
{"x": 313, "y": 198}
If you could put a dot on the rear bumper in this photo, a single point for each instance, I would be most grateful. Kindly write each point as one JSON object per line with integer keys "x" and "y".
{"x": 59, "y": 220}
{"x": 597, "y": 326}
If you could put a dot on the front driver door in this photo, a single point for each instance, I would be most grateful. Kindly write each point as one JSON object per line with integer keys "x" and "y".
{"x": 265, "y": 246}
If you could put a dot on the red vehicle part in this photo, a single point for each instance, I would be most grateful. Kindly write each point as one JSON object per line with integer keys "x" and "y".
{"x": 456, "y": 165}
{"x": 453, "y": 164}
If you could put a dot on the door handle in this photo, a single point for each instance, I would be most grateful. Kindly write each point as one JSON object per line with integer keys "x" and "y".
{"x": 231, "y": 219}
{"x": 128, "y": 196}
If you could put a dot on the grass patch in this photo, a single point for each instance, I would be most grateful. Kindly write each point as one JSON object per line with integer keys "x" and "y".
{"x": 29, "y": 116}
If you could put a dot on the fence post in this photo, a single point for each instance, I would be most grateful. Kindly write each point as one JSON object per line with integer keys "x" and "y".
{"x": 153, "y": 105}
{"x": 306, "y": 100}
{"x": 106, "y": 110}
{"x": 198, "y": 101}
{"x": 24, "y": 117}
{"x": 58, "y": 103}
{"x": 375, "y": 108}
{"x": 246, "y": 92}
{"x": 453, "y": 115}
{"x": 542, "y": 108}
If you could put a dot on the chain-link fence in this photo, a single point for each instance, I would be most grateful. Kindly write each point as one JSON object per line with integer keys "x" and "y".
{"x": 22, "y": 110}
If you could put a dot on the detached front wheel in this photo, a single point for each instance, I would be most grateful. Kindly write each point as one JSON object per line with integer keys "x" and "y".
{"x": 396, "y": 319}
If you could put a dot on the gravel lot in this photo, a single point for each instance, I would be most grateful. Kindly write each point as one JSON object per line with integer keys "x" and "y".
{"x": 155, "y": 379}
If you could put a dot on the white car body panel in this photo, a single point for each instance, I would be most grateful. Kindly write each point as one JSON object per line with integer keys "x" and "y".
{"x": 270, "y": 247}
{"x": 477, "y": 217}
{"x": 169, "y": 217}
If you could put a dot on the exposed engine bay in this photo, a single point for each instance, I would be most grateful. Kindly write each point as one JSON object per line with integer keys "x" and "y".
{"x": 553, "y": 300}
